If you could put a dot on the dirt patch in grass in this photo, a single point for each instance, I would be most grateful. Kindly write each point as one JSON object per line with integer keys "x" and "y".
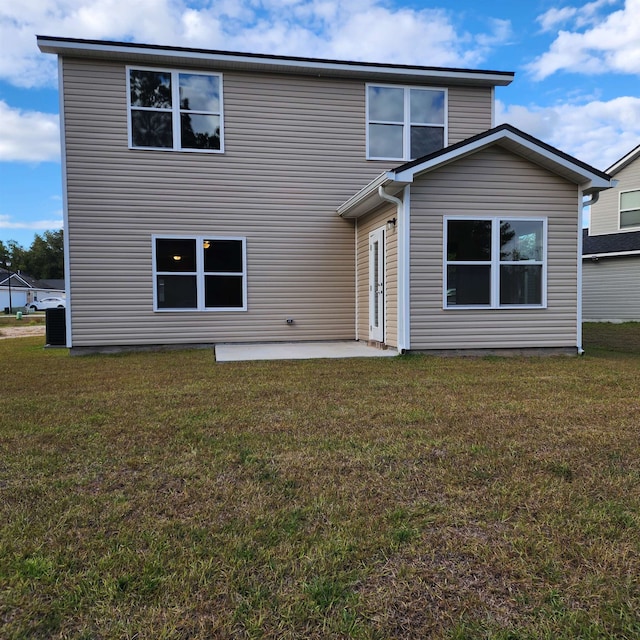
{"x": 21, "y": 331}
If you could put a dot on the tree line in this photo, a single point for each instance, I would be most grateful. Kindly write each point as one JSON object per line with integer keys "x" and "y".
{"x": 43, "y": 260}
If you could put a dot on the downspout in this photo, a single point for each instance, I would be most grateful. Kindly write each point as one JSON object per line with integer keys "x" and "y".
{"x": 401, "y": 288}
{"x": 592, "y": 200}
{"x": 389, "y": 198}
{"x": 585, "y": 203}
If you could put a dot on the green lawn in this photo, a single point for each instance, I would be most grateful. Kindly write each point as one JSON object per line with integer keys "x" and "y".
{"x": 162, "y": 495}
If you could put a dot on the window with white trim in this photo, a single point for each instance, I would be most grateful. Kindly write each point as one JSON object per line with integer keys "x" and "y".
{"x": 629, "y": 209}
{"x": 495, "y": 262}
{"x": 203, "y": 273}
{"x": 404, "y": 123}
{"x": 175, "y": 110}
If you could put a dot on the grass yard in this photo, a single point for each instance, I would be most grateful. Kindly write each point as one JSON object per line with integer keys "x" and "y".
{"x": 162, "y": 495}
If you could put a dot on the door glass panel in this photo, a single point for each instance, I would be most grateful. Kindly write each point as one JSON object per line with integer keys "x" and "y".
{"x": 376, "y": 268}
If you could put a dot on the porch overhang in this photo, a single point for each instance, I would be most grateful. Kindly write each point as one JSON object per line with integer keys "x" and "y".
{"x": 588, "y": 178}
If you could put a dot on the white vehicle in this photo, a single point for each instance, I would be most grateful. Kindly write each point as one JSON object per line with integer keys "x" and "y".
{"x": 48, "y": 303}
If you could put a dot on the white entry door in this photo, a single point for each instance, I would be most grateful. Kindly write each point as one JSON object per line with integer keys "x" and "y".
{"x": 376, "y": 285}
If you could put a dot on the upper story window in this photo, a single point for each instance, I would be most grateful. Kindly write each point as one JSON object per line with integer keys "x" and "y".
{"x": 175, "y": 110}
{"x": 495, "y": 262}
{"x": 629, "y": 209}
{"x": 404, "y": 123}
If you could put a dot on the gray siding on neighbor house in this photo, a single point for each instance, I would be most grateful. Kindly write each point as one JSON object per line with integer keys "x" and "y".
{"x": 605, "y": 213}
{"x": 611, "y": 289}
{"x": 294, "y": 151}
{"x": 492, "y": 182}
{"x": 365, "y": 226}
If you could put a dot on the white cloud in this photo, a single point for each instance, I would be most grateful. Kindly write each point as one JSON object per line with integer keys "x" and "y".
{"x": 580, "y": 16}
{"x": 611, "y": 44}
{"x": 33, "y": 225}
{"x": 360, "y": 30}
{"x": 598, "y": 132}
{"x": 28, "y": 136}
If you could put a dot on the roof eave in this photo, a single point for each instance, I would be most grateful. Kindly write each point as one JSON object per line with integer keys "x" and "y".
{"x": 155, "y": 54}
{"x": 368, "y": 198}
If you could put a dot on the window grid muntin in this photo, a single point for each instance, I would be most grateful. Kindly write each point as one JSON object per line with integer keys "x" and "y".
{"x": 175, "y": 110}
{"x": 495, "y": 263}
{"x": 407, "y": 122}
{"x": 200, "y": 273}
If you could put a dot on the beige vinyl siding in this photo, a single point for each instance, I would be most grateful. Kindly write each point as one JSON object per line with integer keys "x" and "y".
{"x": 278, "y": 184}
{"x": 611, "y": 289}
{"x": 492, "y": 182}
{"x": 469, "y": 112}
{"x": 605, "y": 214}
{"x": 366, "y": 225}
{"x": 294, "y": 151}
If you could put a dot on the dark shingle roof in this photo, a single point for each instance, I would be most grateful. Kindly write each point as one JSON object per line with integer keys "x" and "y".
{"x": 610, "y": 242}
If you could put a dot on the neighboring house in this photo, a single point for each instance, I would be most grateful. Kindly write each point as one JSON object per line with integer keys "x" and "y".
{"x": 228, "y": 197}
{"x": 611, "y": 248}
{"x": 24, "y": 289}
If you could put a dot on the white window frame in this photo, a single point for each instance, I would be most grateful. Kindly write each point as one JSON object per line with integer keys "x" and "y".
{"x": 175, "y": 109}
{"x": 406, "y": 124}
{"x": 495, "y": 263}
{"x": 633, "y": 227}
{"x": 199, "y": 273}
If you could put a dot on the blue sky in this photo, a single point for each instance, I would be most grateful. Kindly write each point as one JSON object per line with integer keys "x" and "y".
{"x": 577, "y": 66}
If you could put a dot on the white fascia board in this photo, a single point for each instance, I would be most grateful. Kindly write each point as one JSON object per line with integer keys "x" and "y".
{"x": 356, "y": 205}
{"x": 624, "y": 161}
{"x": 58, "y": 46}
{"x": 612, "y": 254}
{"x": 16, "y": 276}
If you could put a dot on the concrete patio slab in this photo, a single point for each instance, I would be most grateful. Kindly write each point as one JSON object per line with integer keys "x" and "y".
{"x": 299, "y": 351}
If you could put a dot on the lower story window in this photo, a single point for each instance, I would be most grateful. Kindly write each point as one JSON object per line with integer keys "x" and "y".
{"x": 203, "y": 273}
{"x": 495, "y": 262}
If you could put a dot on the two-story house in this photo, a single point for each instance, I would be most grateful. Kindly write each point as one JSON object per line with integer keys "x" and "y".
{"x": 611, "y": 247}
{"x": 216, "y": 197}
